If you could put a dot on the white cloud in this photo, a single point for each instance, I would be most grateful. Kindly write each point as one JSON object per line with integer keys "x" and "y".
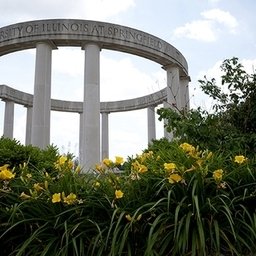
{"x": 221, "y": 17}
{"x": 199, "y": 29}
{"x": 208, "y": 28}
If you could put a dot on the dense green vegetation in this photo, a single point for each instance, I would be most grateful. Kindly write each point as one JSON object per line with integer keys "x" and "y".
{"x": 193, "y": 196}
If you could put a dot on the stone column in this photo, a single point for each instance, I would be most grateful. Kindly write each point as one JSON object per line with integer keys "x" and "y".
{"x": 173, "y": 87}
{"x": 104, "y": 135}
{"x": 81, "y": 136}
{"x": 8, "y": 119}
{"x": 28, "y": 125}
{"x": 90, "y": 144}
{"x": 173, "y": 92}
{"x": 40, "y": 132}
{"x": 184, "y": 92}
{"x": 151, "y": 124}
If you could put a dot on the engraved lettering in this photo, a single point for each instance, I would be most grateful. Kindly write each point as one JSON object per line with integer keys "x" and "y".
{"x": 29, "y": 29}
{"x": 74, "y": 27}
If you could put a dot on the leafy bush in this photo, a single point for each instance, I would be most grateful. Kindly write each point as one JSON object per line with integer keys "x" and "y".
{"x": 170, "y": 200}
{"x": 12, "y": 152}
{"x": 232, "y": 126}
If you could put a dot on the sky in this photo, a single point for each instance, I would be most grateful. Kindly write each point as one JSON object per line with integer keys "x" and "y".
{"x": 205, "y": 31}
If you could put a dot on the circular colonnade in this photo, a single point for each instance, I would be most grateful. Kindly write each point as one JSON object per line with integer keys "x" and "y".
{"x": 91, "y": 36}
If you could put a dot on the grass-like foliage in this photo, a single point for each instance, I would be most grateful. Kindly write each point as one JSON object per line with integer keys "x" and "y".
{"x": 174, "y": 199}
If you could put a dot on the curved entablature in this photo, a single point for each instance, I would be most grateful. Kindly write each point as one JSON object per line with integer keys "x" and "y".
{"x": 9, "y": 94}
{"x": 72, "y": 32}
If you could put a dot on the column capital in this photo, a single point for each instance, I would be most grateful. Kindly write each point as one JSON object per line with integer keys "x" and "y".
{"x": 173, "y": 65}
{"x": 48, "y": 42}
{"x": 85, "y": 44}
{"x": 185, "y": 77}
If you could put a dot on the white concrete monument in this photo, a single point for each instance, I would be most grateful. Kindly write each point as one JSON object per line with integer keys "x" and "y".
{"x": 91, "y": 36}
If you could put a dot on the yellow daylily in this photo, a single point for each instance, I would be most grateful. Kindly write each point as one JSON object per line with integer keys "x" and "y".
{"x": 142, "y": 168}
{"x": 169, "y": 166}
{"x": 217, "y": 175}
{"x": 56, "y": 197}
{"x": 62, "y": 160}
{"x": 107, "y": 162}
{"x": 5, "y": 173}
{"x": 38, "y": 187}
{"x": 70, "y": 199}
{"x": 174, "y": 178}
{"x": 119, "y": 160}
{"x": 240, "y": 159}
{"x": 187, "y": 147}
{"x": 119, "y": 194}
{"x": 128, "y": 217}
{"x": 24, "y": 196}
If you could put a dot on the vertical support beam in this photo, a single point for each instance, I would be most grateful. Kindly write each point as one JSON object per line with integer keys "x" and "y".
{"x": 151, "y": 124}
{"x": 81, "y": 136}
{"x": 104, "y": 134}
{"x": 173, "y": 92}
{"x": 8, "y": 119}
{"x": 173, "y": 87}
{"x": 184, "y": 89}
{"x": 28, "y": 125}
{"x": 40, "y": 133}
{"x": 90, "y": 144}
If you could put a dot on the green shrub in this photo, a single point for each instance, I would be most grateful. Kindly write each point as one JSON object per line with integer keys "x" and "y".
{"x": 231, "y": 127}
{"x": 170, "y": 200}
{"x": 12, "y": 152}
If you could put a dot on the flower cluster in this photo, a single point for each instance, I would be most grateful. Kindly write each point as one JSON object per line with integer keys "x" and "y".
{"x": 60, "y": 197}
{"x": 64, "y": 163}
{"x": 109, "y": 165}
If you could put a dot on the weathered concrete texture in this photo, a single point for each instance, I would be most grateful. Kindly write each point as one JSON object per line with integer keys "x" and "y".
{"x": 40, "y": 131}
{"x": 26, "y": 99}
{"x": 8, "y": 119}
{"x": 90, "y": 148}
{"x": 70, "y": 32}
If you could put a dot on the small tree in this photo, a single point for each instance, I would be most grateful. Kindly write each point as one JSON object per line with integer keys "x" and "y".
{"x": 232, "y": 126}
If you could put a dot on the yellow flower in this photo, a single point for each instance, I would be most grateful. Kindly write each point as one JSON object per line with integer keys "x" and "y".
{"x": 96, "y": 184}
{"x": 142, "y": 168}
{"x": 46, "y": 184}
{"x": 119, "y": 194}
{"x": 187, "y": 147}
{"x": 4, "y": 167}
{"x": 70, "y": 199}
{"x": 78, "y": 169}
{"x": 169, "y": 166}
{"x": 37, "y": 187}
{"x": 128, "y": 217}
{"x": 24, "y": 196}
{"x": 99, "y": 168}
{"x": 217, "y": 174}
{"x": 62, "y": 160}
{"x": 29, "y": 175}
{"x": 5, "y": 174}
{"x": 139, "y": 217}
{"x": 119, "y": 160}
{"x": 107, "y": 162}
{"x": 240, "y": 159}
{"x": 209, "y": 155}
{"x": 56, "y": 198}
{"x": 174, "y": 178}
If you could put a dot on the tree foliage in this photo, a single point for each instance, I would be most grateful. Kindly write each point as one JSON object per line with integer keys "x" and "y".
{"x": 232, "y": 125}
